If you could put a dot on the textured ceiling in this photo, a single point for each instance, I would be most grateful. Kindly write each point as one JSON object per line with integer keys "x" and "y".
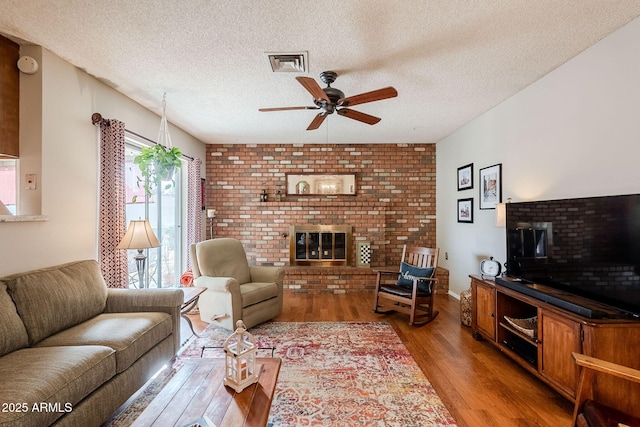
{"x": 450, "y": 60}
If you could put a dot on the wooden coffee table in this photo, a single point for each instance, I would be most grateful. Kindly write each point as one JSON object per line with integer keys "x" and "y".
{"x": 196, "y": 392}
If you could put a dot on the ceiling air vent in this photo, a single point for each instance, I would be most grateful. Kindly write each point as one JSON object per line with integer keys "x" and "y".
{"x": 288, "y": 62}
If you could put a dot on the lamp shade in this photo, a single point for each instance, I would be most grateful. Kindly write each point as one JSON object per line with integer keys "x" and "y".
{"x": 139, "y": 235}
{"x": 501, "y": 215}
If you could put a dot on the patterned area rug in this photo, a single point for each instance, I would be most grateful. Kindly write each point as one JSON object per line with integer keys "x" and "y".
{"x": 332, "y": 374}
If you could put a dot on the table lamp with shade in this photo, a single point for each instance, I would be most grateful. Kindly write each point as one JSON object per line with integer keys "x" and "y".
{"x": 501, "y": 214}
{"x": 139, "y": 236}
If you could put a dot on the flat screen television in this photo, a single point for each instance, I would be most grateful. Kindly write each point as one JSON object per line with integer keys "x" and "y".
{"x": 589, "y": 247}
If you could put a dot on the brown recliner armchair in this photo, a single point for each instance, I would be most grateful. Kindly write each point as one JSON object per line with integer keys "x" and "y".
{"x": 235, "y": 290}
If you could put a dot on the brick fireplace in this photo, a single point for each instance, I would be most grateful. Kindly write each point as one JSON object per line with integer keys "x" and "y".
{"x": 394, "y": 204}
{"x": 320, "y": 245}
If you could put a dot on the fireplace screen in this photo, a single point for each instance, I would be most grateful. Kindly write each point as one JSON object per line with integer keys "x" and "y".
{"x": 320, "y": 245}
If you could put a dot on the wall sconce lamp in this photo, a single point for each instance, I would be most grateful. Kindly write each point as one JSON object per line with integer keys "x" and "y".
{"x": 501, "y": 214}
{"x": 139, "y": 236}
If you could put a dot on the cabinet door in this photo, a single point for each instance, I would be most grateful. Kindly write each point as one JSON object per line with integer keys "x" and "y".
{"x": 560, "y": 337}
{"x": 485, "y": 305}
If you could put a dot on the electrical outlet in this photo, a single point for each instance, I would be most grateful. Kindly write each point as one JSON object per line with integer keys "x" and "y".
{"x": 446, "y": 255}
{"x": 30, "y": 181}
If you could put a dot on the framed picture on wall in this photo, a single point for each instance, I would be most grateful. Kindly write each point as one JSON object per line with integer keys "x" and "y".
{"x": 465, "y": 177}
{"x": 465, "y": 210}
{"x": 490, "y": 186}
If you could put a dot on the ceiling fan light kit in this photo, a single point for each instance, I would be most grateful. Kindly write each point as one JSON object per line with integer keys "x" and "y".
{"x": 331, "y": 100}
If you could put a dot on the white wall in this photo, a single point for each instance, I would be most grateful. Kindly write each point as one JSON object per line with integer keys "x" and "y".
{"x": 69, "y": 178}
{"x": 573, "y": 133}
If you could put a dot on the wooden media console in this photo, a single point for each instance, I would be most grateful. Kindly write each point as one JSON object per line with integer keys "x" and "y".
{"x": 541, "y": 337}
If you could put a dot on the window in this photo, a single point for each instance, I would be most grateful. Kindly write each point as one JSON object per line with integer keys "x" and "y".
{"x": 8, "y": 184}
{"x": 164, "y": 211}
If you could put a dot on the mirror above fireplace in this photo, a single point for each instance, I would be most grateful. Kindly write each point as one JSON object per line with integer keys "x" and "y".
{"x": 321, "y": 184}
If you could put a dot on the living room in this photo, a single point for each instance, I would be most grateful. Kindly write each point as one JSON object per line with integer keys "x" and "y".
{"x": 572, "y": 133}
{"x": 514, "y": 133}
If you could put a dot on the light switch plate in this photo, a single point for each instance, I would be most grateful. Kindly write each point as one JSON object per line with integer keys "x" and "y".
{"x": 30, "y": 181}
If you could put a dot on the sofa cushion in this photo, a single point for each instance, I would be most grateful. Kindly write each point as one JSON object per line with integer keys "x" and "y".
{"x": 130, "y": 334}
{"x": 54, "y": 379}
{"x": 13, "y": 334}
{"x": 55, "y": 298}
{"x": 253, "y": 293}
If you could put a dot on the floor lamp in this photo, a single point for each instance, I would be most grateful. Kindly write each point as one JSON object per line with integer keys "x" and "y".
{"x": 139, "y": 236}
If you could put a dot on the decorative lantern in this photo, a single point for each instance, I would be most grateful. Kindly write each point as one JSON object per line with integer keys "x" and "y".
{"x": 240, "y": 359}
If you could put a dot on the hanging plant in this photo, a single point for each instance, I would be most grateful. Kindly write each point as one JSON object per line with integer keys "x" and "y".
{"x": 157, "y": 164}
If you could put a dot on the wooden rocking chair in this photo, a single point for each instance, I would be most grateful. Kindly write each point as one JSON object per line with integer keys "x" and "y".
{"x": 411, "y": 289}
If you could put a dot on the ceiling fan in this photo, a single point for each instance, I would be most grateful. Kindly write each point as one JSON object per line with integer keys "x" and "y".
{"x": 330, "y": 100}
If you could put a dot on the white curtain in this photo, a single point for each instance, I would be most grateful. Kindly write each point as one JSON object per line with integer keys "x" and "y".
{"x": 112, "y": 223}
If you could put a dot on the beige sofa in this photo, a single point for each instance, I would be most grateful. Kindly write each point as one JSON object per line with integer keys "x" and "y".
{"x": 73, "y": 351}
{"x": 235, "y": 290}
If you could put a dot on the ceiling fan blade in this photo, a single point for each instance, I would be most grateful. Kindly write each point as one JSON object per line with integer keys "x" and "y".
{"x": 288, "y": 108}
{"x": 357, "y": 115}
{"x": 313, "y": 88}
{"x": 317, "y": 121}
{"x": 374, "y": 95}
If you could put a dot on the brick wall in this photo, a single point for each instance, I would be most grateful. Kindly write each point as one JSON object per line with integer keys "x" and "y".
{"x": 394, "y": 204}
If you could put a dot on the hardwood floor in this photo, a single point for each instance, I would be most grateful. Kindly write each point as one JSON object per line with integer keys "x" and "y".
{"x": 477, "y": 383}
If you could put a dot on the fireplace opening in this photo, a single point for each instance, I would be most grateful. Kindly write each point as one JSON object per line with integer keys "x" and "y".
{"x": 320, "y": 245}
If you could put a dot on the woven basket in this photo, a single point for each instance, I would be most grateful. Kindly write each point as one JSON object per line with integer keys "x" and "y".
{"x": 528, "y": 326}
